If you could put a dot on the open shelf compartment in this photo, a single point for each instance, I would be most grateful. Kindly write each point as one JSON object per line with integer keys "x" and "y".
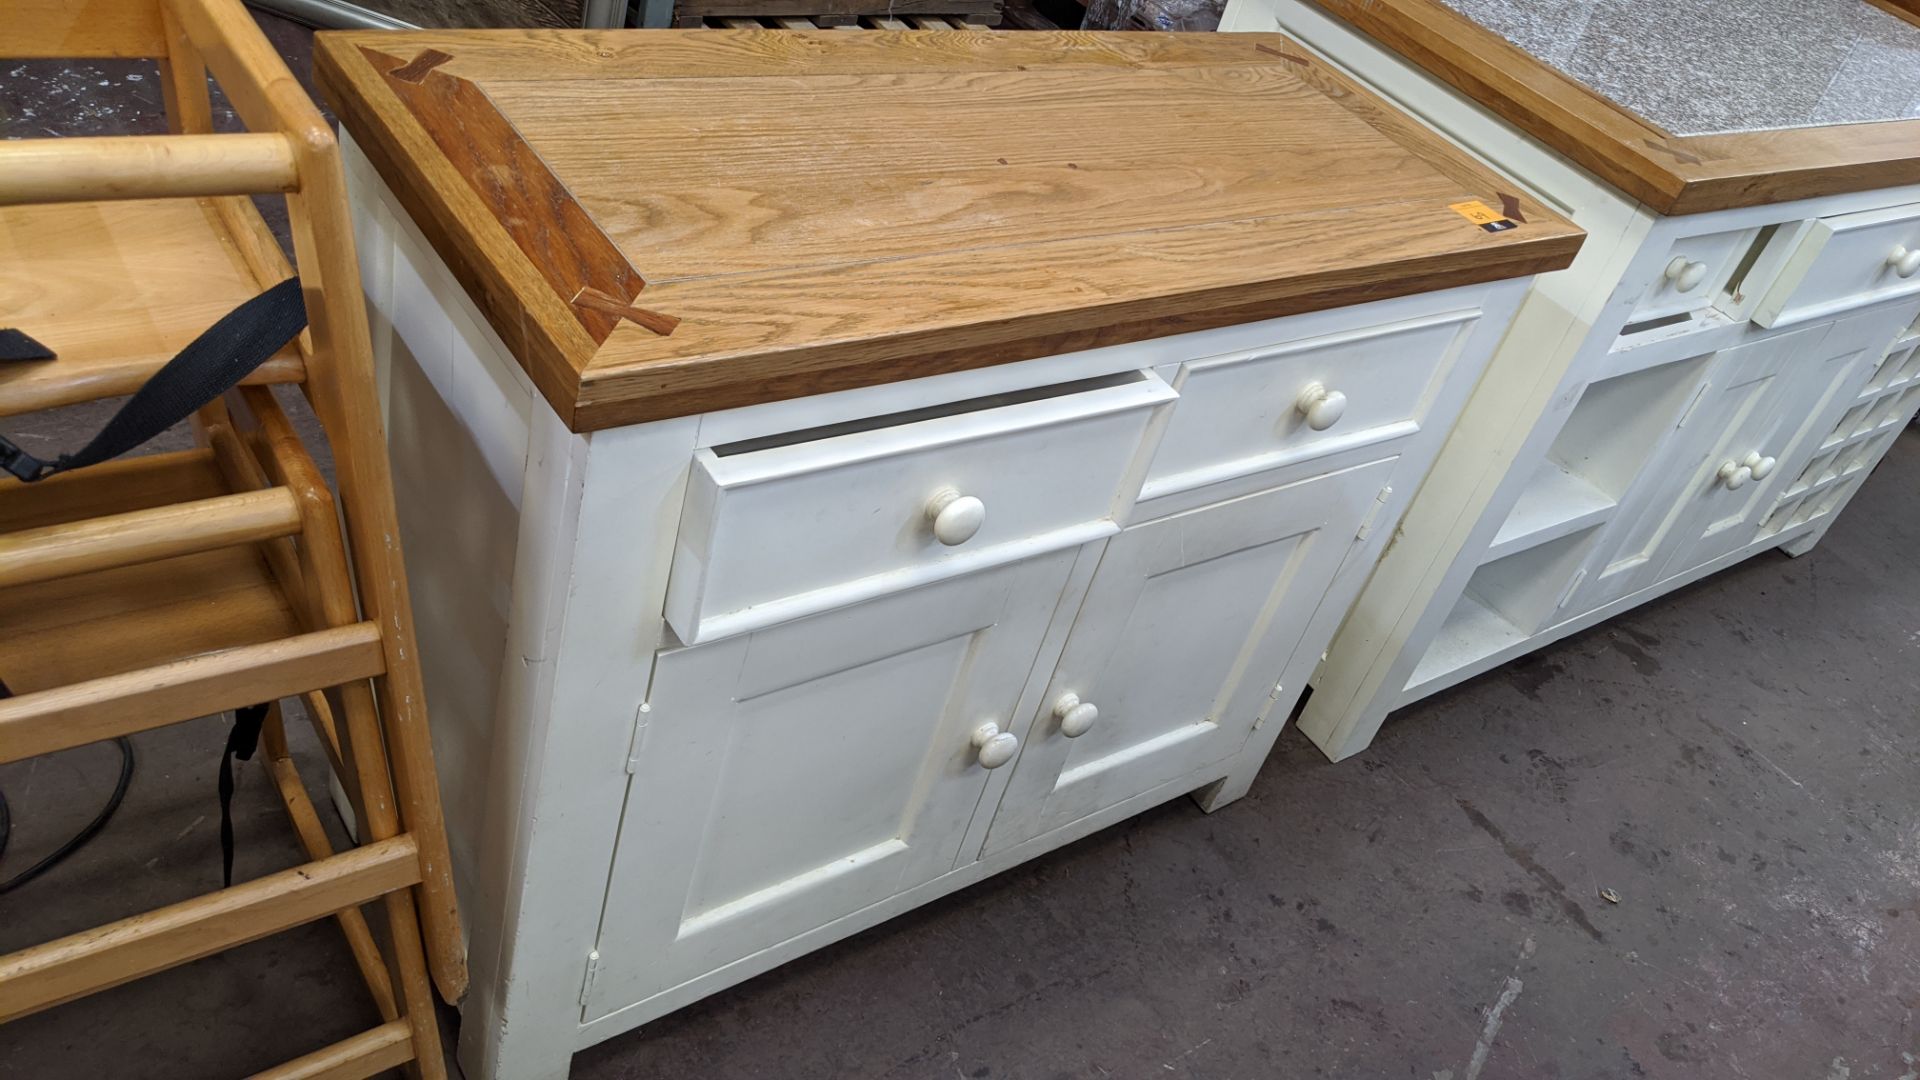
{"x": 1507, "y": 602}
{"x": 1556, "y": 503}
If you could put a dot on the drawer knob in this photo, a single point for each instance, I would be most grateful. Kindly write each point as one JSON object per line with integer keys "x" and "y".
{"x": 995, "y": 747}
{"x": 955, "y": 517}
{"x": 1075, "y": 716}
{"x": 1760, "y": 467}
{"x": 1735, "y": 475}
{"x": 1686, "y": 276}
{"x": 1905, "y": 261}
{"x": 1322, "y": 407}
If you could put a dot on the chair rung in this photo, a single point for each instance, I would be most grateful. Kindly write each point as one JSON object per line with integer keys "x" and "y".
{"x": 93, "y": 960}
{"x": 372, "y": 1051}
{"x": 140, "y": 536}
{"x": 105, "y": 708}
{"x": 91, "y": 169}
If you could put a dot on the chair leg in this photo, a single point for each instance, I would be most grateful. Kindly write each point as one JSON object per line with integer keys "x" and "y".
{"x": 409, "y": 968}
{"x": 313, "y": 839}
{"x": 343, "y": 398}
{"x": 326, "y": 568}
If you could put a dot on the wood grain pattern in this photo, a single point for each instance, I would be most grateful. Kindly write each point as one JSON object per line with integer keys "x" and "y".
{"x": 134, "y": 283}
{"x": 83, "y": 28}
{"x": 367, "y": 1054}
{"x": 1906, "y": 9}
{"x": 338, "y": 349}
{"x": 60, "y": 718}
{"x": 695, "y": 9}
{"x": 55, "y": 551}
{"x": 823, "y": 211}
{"x": 1670, "y": 174}
{"x": 558, "y": 237}
{"x": 144, "y": 167}
{"x": 46, "y": 975}
{"x": 313, "y": 840}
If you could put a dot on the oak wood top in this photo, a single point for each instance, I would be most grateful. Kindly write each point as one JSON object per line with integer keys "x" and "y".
{"x": 663, "y": 222}
{"x": 1671, "y": 174}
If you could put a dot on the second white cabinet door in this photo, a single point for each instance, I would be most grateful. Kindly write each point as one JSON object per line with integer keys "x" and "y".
{"x": 1775, "y": 441}
{"x": 1740, "y": 403}
{"x": 1187, "y": 624}
{"x": 790, "y": 776}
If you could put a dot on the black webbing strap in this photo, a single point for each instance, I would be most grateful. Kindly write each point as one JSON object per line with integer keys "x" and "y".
{"x": 241, "y": 743}
{"x": 209, "y": 366}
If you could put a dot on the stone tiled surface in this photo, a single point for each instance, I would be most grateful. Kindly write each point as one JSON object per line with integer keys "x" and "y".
{"x": 1697, "y": 67}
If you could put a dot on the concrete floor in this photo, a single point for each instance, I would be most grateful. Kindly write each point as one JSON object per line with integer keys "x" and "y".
{"x": 1733, "y": 761}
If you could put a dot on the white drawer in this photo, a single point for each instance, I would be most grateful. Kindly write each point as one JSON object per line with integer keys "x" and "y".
{"x": 1251, "y": 411}
{"x": 1692, "y": 274}
{"x": 1846, "y": 262}
{"x": 794, "y": 525}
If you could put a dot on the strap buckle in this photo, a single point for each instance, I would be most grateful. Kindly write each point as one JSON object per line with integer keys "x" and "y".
{"x": 20, "y": 464}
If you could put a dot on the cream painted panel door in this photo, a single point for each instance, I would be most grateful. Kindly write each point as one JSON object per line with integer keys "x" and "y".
{"x": 1740, "y": 401}
{"x": 790, "y": 776}
{"x": 1776, "y": 439}
{"x": 1188, "y": 623}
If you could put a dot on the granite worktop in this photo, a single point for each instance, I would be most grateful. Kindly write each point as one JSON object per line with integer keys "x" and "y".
{"x": 1700, "y": 67}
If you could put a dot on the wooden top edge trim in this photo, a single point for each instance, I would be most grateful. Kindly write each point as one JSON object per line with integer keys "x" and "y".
{"x": 692, "y": 54}
{"x": 616, "y": 395}
{"x": 591, "y": 388}
{"x": 1671, "y": 174}
{"x": 548, "y": 337}
{"x": 558, "y": 238}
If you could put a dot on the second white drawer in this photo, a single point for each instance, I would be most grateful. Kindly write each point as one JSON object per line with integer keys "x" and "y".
{"x": 1846, "y": 262}
{"x": 786, "y": 527}
{"x": 1262, "y": 409}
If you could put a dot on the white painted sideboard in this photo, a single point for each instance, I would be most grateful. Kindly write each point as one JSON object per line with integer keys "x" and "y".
{"x": 1693, "y": 391}
{"x": 713, "y": 691}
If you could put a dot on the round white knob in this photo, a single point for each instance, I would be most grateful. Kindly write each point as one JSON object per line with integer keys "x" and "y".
{"x": 1322, "y": 407}
{"x": 955, "y": 517}
{"x": 1760, "y": 467}
{"x": 1686, "y": 276}
{"x": 996, "y": 747}
{"x": 1075, "y": 716}
{"x": 1735, "y": 475}
{"x": 1905, "y": 261}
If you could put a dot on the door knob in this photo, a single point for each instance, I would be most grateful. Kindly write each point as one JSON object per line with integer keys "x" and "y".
{"x": 1760, "y": 467}
{"x": 1075, "y": 716}
{"x": 1905, "y": 261}
{"x": 1686, "y": 276}
{"x": 1322, "y": 407}
{"x": 1735, "y": 475}
{"x": 995, "y": 747}
{"x": 955, "y": 517}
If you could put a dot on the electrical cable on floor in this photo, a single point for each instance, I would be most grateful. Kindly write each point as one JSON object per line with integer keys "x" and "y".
{"x": 80, "y": 838}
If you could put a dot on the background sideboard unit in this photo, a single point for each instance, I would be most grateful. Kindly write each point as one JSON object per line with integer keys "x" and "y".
{"x": 1697, "y": 388}
{"x": 728, "y": 668}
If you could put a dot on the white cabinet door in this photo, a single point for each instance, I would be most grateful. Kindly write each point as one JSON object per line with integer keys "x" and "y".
{"x": 1744, "y": 398}
{"x": 1187, "y": 624}
{"x": 1723, "y": 507}
{"x": 790, "y": 776}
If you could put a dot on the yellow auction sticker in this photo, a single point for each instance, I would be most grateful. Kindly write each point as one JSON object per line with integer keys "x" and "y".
{"x": 1482, "y": 215}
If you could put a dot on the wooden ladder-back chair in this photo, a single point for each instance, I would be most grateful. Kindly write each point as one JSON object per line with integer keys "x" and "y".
{"x": 150, "y": 590}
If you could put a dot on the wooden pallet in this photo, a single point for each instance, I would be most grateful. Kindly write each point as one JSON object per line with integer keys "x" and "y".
{"x": 857, "y": 15}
